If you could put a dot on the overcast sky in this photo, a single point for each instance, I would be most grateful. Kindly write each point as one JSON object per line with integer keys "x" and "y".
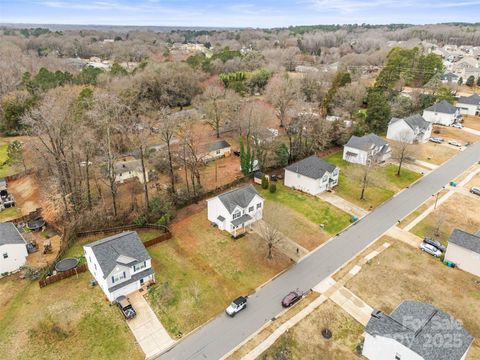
{"x": 229, "y": 13}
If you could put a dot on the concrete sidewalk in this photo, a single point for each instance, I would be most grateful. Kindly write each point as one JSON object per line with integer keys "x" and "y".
{"x": 343, "y": 204}
{"x": 404, "y": 236}
{"x": 352, "y": 304}
{"x": 471, "y": 131}
{"x": 147, "y": 329}
{"x": 426, "y": 164}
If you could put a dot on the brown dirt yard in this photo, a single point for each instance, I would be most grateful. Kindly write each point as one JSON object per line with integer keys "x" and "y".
{"x": 304, "y": 340}
{"x": 27, "y": 194}
{"x": 451, "y": 133}
{"x": 433, "y": 153}
{"x": 402, "y": 272}
{"x": 459, "y": 211}
{"x": 472, "y": 122}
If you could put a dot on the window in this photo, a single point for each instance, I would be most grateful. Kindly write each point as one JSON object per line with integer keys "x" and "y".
{"x": 251, "y": 208}
{"x": 118, "y": 277}
{"x": 259, "y": 205}
{"x": 140, "y": 266}
{"x": 5, "y": 255}
{"x": 397, "y": 356}
{"x": 236, "y": 215}
{"x": 95, "y": 266}
{"x": 217, "y": 152}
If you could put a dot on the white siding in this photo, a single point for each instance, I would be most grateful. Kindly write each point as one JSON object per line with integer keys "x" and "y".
{"x": 122, "y": 177}
{"x": 439, "y": 118}
{"x": 16, "y": 257}
{"x": 468, "y": 109}
{"x": 382, "y": 348}
{"x": 400, "y": 131}
{"x": 465, "y": 259}
{"x": 309, "y": 185}
{"x": 216, "y": 154}
{"x": 360, "y": 158}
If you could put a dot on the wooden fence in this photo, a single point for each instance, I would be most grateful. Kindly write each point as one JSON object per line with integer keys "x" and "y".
{"x": 163, "y": 237}
{"x": 123, "y": 228}
{"x": 62, "y": 275}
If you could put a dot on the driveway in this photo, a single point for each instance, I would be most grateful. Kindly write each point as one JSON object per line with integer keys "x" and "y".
{"x": 222, "y": 334}
{"x": 343, "y": 204}
{"x": 147, "y": 329}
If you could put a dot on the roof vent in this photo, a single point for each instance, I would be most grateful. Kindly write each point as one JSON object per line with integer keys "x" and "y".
{"x": 377, "y": 313}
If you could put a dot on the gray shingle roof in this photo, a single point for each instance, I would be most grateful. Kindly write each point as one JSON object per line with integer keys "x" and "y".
{"x": 365, "y": 142}
{"x": 415, "y": 325}
{"x": 3, "y": 184}
{"x": 124, "y": 166}
{"x": 470, "y": 100}
{"x": 9, "y": 234}
{"x": 417, "y": 121}
{"x": 312, "y": 167}
{"x": 241, "y": 220}
{"x": 450, "y": 77}
{"x": 465, "y": 240}
{"x": 217, "y": 145}
{"x": 238, "y": 197}
{"x": 109, "y": 250}
{"x": 443, "y": 107}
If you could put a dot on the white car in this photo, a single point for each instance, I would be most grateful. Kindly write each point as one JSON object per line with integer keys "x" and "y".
{"x": 454, "y": 143}
{"x": 432, "y": 250}
{"x": 458, "y": 126}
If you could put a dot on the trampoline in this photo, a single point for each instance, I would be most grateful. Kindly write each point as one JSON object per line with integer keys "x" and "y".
{"x": 66, "y": 264}
{"x": 36, "y": 224}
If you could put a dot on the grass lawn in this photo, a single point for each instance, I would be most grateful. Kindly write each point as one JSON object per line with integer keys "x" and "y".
{"x": 77, "y": 249}
{"x": 4, "y": 169}
{"x": 459, "y": 211}
{"x": 65, "y": 320}
{"x": 304, "y": 340}
{"x": 201, "y": 269}
{"x": 314, "y": 209}
{"x": 402, "y": 272}
{"x": 10, "y": 214}
{"x": 384, "y": 182}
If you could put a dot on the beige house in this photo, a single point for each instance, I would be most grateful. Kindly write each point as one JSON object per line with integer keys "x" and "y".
{"x": 129, "y": 169}
{"x": 464, "y": 251}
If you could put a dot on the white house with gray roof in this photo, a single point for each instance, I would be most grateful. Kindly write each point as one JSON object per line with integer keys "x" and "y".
{"x": 469, "y": 105}
{"x": 216, "y": 150}
{"x": 442, "y": 113}
{"x": 359, "y": 150}
{"x": 311, "y": 175}
{"x": 120, "y": 264}
{"x": 415, "y": 331}
{"x": 413, "y": 129}
{"x": 235, "y": 211}
{"x": 129, "y": 169}
{"x": 13, "y": 248}
{"x": 464, "y": 250}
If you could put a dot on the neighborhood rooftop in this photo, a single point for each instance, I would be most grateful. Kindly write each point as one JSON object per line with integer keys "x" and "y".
{"x": 118, "y": 249}
{"x": 414, "y": 324}
{"x": 443, "y": 107}
{"x": 9, "y": 234}
{"x": 130, "y": 165}
{"x": 365, "y": 142}
{"x": 471, "y": 100}
{"x": 414, "y": 121}
{"x": 217, "y": 145}
{"x": 312, "y": 167}
{"x": 466, "y": 240}
{"x": 238, "y": 197}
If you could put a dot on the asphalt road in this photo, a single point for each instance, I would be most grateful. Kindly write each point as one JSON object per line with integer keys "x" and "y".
{"x": 219, "y": 336}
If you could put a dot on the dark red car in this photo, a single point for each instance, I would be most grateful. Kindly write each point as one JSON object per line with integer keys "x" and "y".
{"x": 291, "y": 298}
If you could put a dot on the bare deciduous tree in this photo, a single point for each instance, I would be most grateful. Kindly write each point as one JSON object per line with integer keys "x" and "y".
{"x": 272, "y": 236}
{"x": 282, "y": 92}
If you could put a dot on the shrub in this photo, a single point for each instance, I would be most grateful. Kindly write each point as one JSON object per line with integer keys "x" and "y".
{"x": 272, "y": 188}
{"x": 164, "y": 220}
{"x": 141, "y": 220}
{"x": 264, "y": 183}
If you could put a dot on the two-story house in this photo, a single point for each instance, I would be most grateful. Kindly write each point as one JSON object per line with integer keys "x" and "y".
{"x": 469, "y": 105}
{"x": 415, "y": 331}
{"x": 235, "y": 211}
{"x": 120, "y": 264}
{"x": 13, "y": 248}
{"x": 442, "y": 113}
{"x": 311, "y": 175}
{"x": 360, "y": 150}
{"x": 413, "y": 129}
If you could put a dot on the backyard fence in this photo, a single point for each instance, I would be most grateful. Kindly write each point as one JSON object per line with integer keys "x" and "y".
{"x": 19, "y": 175}
{"x": 123, "y": 228}
{"x": 62, "y": 275}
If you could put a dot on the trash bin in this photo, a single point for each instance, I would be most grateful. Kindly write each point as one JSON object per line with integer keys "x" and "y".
{"x": 453, "y": 183}
{"x": 354, "y": 218}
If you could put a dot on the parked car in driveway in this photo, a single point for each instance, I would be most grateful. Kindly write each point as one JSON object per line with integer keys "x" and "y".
{"x": 127, "y": 309}
{"x": 437, "y": 140}
{"x": 432, "y": 250}
{"x": 435, "y": 243}
{"x": 236, "y": 306}
{"x": 454, "y": 143}
{"x": 457, "y": 125}
{"x": 291, "y": 298}
{"x": 475, "y": 190}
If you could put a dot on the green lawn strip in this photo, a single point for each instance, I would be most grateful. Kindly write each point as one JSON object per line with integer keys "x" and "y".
{"x": 10, "y": 214}
{"x": 384, "y": 182}
{"x": 4, "y": 168}
{"x": 314, "y": 209}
